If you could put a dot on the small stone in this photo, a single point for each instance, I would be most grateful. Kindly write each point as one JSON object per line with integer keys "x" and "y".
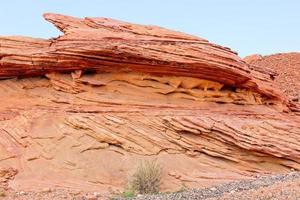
{"x": 46, "y": 190}
{"x": 213, "y": 189}
{"x": 96, "y": 194}
{"x": 90, "y": 197}
{"x": 75, "y": 192}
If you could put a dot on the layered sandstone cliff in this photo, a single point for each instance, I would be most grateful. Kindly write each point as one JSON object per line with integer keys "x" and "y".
{"x": 81, "y": 110}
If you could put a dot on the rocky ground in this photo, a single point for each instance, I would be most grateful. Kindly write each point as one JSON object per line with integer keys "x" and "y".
{"x": 283, "y": 186}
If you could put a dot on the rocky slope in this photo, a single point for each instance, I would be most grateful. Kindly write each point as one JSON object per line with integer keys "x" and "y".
{"x": 286, "y": 67}
{"x": 286, "y": 73}
{"x": 81, "y": 110}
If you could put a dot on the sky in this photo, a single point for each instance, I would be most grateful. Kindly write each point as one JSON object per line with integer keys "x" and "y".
{"x": 246, "y": 26}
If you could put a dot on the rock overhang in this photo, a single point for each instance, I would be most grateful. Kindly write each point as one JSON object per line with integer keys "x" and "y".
{"x": 107, "y": 45}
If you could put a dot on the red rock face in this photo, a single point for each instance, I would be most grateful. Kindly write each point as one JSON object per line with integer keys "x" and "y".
{"x": 81, "y": 110}
{"x": 109, "y": 45}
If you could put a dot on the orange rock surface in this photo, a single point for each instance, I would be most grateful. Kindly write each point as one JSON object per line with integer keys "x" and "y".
{"x": 82, "y": 110}
{"x": 286, "y": 67}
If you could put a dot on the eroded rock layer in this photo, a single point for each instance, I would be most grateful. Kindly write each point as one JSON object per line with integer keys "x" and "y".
{"x": 88, "y": 106}
{"x": 104, "y": 44}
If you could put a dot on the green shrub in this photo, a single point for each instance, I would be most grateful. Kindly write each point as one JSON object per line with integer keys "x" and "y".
{"x": 128, "y": 194}
{"x": 147, "y": 178}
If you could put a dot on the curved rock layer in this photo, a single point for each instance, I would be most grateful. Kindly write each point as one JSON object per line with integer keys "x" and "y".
{"x": 107, "y": 45}
{"x": 88, "y": 106}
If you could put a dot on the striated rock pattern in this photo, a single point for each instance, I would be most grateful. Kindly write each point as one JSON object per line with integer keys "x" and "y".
{"x": 82, "y": 110}
{"x": 107, "y": 45}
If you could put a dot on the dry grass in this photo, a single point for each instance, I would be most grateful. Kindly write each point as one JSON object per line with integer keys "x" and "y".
{"x": 147, "y": 178}
{"x": 2, "y": 194}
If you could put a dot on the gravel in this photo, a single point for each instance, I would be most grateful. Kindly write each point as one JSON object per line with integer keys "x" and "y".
{"x": 220, "y": 190}
{"x": 283, "y": 186}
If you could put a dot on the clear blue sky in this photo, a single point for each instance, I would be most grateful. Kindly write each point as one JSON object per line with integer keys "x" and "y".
{"x": 246, "y": 26}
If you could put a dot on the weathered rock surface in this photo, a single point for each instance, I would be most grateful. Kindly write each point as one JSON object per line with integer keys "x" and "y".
{"x": 286, "y": 67}
{"x": 108, "y": 45}
{"x": 81, "y": 110}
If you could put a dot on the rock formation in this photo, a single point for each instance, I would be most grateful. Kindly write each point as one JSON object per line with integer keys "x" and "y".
{"x": 82, "y": 110}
